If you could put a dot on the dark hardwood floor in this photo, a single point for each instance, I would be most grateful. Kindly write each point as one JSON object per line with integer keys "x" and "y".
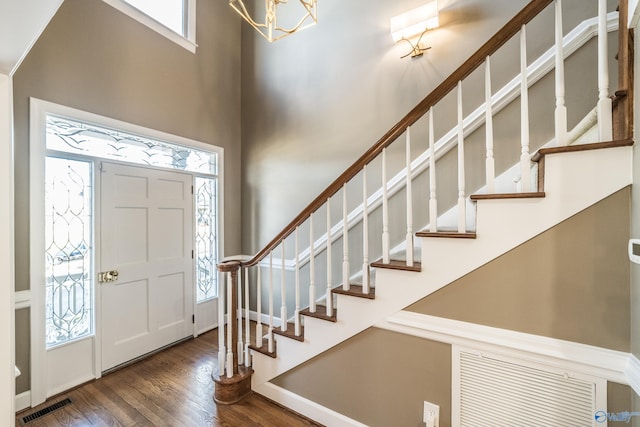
{"x": 171, "y": 388}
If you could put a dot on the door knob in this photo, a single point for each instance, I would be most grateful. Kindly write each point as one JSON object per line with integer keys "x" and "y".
{"x": 108, "y": 276}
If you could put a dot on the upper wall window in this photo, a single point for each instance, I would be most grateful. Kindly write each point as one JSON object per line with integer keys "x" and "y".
{"x": 174, "y": 19}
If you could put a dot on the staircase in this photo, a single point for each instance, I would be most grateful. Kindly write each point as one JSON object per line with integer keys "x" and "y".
{"x": 554, "y": 183}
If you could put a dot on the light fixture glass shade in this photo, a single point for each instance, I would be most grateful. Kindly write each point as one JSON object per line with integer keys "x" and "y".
{"x": 415, "y": 21}
{"x": 271, "y": 22}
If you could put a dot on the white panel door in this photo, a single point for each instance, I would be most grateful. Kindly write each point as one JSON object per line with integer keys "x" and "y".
{"x": 146, "y": 236}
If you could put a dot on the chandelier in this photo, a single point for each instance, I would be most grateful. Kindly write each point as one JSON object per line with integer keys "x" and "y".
{"x": 291, "y": 20}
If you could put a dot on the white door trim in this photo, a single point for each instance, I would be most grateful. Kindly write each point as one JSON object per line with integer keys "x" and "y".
{"x": 38, "y": 112}
{"x": 7, "y": 313}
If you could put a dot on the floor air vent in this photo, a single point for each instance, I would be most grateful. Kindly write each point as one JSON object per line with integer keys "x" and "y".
{"x": 44, "y": 411}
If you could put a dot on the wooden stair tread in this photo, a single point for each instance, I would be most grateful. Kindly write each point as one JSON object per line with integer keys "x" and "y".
{"x": 581, "y": 147}
{"x": 321, "y": 313}
{"x": 446, "y": 234}
{"x": 531, "y": 195}
{"x": 356, "y": 291}
{"x": 398, "y": 265}
{"x": 291, "y": 332}
{"x": 264, "y": 349}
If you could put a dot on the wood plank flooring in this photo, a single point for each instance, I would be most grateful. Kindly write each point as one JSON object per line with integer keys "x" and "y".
{"x": 171, "y": 388}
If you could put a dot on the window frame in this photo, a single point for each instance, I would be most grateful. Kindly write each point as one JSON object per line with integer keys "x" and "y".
{"x": 187, "y": 41}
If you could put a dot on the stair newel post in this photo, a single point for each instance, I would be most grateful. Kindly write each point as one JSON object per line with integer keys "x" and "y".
{"x": 462, "y": 202}
{"x": 270, "y": 345}
{"x": 385, "y": 210}
{"x": 329, "y": 299}
{"x": 283, "y": 293}
{"x": 312, "y": 268}
{"x": 561, "y": 109}
{"x": 525, "y": 157}
{"x": 433, "y": 201}
{"x": 297, "y": 284}
{"x": 247, "y": 317}
{"x": 230, "y": 270}
{"x": 259, "y": 307}
{"x": 490, "y": 168}
{"x": 238, "y": 312}
{"x": 604, "y": 108}
{"x": 236, "y": 384}
{"x": 345, "y": 240}
{"x": 222, "y": 350}
{"x": 409, "y": 236}
{"x": 365, "y": 233}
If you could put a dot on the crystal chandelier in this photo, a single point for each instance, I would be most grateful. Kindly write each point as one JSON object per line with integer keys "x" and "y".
{"x": 292, "y": 20}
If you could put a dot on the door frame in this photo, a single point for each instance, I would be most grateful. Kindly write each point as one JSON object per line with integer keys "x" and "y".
{"x": 90, "y": 345}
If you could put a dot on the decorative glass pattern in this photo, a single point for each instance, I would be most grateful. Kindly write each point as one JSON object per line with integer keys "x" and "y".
{"x": 206, "y": 242}
{"x": 68, "y": 250}
{"x": 75, "y": 137}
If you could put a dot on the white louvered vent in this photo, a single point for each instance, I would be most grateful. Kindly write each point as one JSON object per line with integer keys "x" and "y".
{"x": 496, "y": 391}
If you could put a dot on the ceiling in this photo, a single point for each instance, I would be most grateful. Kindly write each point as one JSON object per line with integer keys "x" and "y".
{"x": 21, "y": 23}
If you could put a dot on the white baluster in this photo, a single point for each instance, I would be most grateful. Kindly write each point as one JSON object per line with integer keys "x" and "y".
{"x": 525, "y": 157}
{"x": 283, "y": 294}
{"x": 561, "y": 109}
{"x": 270, "y": 335}
{"x": 462, "y": 203}
{"x": 230, "y": 320}
{"x": 240, "y": 344}
{"x": 259, "y": 333}
{"x": 329, "y": 299}
{"x": 605, "y": 119}
{"x": 365, "y": 233}
{"x": 222, "y": 350}
{"x": 312, "y": 269}
{"x": 409, "y": 236}
{"x": 490, "y": 167}
{"x": 345, "y": 240}
{"x": 247, "y": 317}
{"x": 297, "y": 312}
{"x": 385, "y": 210}
{"x": 433, "y": 201}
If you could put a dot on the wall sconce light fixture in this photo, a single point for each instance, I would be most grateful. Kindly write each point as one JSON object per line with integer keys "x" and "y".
{"x": 414, "y": 24}
{"x": 268, "y": 26}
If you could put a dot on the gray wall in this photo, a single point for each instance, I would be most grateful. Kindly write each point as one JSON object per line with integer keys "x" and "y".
{"x": 314, "y": 102}
{"x": 570, "y": 282}
{"x": 635, "y": 230}
{"x": 94, "y": 58}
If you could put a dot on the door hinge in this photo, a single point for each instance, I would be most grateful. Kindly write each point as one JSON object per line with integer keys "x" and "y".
{"x": 192, "y": 189}
{"x": 193, "y": 318}
{"x": 192, "y": 254}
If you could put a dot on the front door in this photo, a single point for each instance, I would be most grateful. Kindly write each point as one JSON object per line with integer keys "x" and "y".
{"x": 146, "y": 233}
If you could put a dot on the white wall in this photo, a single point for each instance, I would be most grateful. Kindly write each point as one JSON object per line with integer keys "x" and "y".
{"x": 7, "y": 382}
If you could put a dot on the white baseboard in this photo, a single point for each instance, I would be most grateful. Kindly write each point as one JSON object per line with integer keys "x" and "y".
{"x": 23, "y": 401}
{"x": 264, "y": 318}
{"x": 306, "y": 407}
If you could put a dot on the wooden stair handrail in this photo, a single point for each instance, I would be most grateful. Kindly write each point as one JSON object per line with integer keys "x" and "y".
{"x": 509, "y": 30}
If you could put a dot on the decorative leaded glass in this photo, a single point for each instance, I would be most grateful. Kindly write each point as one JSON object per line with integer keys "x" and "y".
{"x": 75, "y": 137}
{"x": 68, "y": 250}
{"x": 206, "y": 244}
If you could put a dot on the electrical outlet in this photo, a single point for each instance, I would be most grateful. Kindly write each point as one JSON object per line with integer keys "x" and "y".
{"x": 431, "y": 414}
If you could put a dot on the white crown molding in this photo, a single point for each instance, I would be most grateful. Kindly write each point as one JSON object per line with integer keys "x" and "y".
{"x": 573, "y": 41}
{"x": 609, "y": 364}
